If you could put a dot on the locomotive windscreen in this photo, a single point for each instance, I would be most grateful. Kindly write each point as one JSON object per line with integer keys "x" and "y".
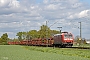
{"x": 68, "y": 36}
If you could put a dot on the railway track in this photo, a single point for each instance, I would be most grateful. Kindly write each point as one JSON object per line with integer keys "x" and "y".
{"x": 79, "y": 47}
{"x": 70, "y": 47}
{"x": 75, "y": 47}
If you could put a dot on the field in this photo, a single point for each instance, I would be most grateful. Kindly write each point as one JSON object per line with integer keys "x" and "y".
{"x": 17, "y": 52}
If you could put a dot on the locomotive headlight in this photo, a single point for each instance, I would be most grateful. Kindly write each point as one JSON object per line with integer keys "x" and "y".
{"x": 71, "y": 39}
{"x": 65, "y": 39}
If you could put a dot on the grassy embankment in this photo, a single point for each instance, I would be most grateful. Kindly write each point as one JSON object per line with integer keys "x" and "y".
{"x": 15, "y": 52}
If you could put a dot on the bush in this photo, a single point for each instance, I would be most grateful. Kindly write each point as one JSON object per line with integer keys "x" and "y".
{"x": 4, "y": 43}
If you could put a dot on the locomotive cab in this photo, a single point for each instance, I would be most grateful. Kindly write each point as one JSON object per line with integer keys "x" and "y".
{"x": 68, "y": 39}
{"x": 63, "y": 39}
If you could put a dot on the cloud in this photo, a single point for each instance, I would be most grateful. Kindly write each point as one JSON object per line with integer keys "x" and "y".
{"x": 9, "y": 3}
{"x": 45, "y": 1}
{"x": 51, "y": 7}
{"x": 25, "y": 15}
{"x": 82, "y": 14}
{"x": 10, "y": 6}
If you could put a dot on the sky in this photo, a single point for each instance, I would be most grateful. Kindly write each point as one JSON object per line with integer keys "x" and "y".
{"x": 85, "y": 1}
{"x": 26, "y": 15}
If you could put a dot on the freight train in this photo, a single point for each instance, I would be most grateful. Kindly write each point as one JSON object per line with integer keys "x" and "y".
{"x": 63, "y": 40}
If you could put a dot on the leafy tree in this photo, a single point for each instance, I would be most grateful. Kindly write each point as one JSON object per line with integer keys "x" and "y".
{"x": 83, "y": 40}
{"x": 24, "y": 35}
{"x": 54, "y": 32}
{"x": 4, "y": 38}
{"x": 44, "y": 31}
{"x": 33, "y": 34}
{"x": 19, "y": 34}
{"x": 0, "y": 40}
{"x": 80, "y": 40}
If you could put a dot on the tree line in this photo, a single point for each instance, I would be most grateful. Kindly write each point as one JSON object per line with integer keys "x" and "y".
{"x": 44, "y": 32}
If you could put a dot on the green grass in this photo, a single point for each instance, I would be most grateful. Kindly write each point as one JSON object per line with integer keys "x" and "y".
{"x": 16, "y": 52}
{"x": 85, "y": 53}
{"x": 81, "y": 45}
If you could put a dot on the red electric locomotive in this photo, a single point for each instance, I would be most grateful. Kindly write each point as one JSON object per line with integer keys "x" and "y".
{"x": 64, "y": 39}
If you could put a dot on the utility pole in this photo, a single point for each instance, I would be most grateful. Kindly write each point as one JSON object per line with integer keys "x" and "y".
{"x": 60, "y": 29}
{"x": 80, "y": 30}
{"x": 46, "y": 29}
{"x": 80, "y": 39}
{"x": 47, "y": 33}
